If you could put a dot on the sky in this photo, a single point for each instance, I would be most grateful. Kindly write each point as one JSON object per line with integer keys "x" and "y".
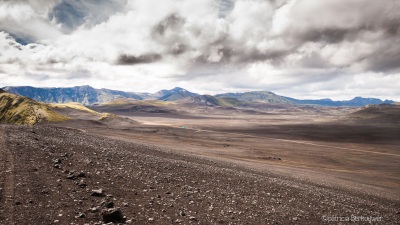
{"x": 307, "y": 49}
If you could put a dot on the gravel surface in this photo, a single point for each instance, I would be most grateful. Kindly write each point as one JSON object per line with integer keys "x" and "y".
{"x": 53, "y": 175}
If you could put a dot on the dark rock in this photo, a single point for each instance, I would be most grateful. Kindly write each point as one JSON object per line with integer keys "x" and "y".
{"x": 112, "y": 215}
{"x": 108, "y": 205}
{"x": 57, "y": 166}
{"x": 193, "y": 218}
{"x": 57, "y": 163}
{"x": 71, "y": 176}
{"x": 82, "y": 184}
{"x": 94, "y": 209}
{"x": 98, "y": 193}
{"x": 81, "y": 174}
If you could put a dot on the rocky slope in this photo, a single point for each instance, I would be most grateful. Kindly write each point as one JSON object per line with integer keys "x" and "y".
{"x": 20, "y": 110}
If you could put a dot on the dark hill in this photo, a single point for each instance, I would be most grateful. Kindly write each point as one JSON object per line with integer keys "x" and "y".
{"x": 384, "y": 113}
{"x": 175, "y": 94}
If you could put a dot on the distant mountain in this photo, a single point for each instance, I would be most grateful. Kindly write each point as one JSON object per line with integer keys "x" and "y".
{"x": 174, "y": 94}
{"x": 167, "y": 95}
{"x": 207, "y": 100}
{"x": 257, "y": 96}
{"x": 357, "y": 101}
{"x": 1, "y": 91}
{"x": 16, "y": 109}
{"x": 269, "y": 97}
{"x": 86, "y": 95}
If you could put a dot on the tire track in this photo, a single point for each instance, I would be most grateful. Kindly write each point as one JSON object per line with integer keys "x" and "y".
{"x": 6, "y": 182}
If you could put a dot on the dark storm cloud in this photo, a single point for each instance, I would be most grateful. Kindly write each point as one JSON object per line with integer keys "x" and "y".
{"x": 313, "y": 60}
{"x": 274, "y": 57}
{"x": 331, "y": 35}
{"x": 393, "y": 28}
{"x": 374, "y": 25}
{"x": 55, "y": 61}
{"x": 178, "y": 49}
{"x": 141, "y": 59}
{"x": 386, "y": 58}
{"x": 168, "y": 33}
{"x": 325, "y": 35}
{"x": 171, "y": 23}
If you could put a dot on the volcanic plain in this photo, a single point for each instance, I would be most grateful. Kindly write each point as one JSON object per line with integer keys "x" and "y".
{"x": 160, "y": 164}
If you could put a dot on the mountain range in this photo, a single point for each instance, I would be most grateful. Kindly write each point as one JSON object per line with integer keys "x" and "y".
{"x": 88, "y": 95}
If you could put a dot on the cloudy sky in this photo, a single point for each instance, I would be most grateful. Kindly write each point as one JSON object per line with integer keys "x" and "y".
{"x": 299, "y": 48}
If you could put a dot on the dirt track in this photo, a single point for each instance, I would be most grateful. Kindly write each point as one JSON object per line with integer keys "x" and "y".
{"x": 7, "y": 181}
{"x": 56, "y": 169}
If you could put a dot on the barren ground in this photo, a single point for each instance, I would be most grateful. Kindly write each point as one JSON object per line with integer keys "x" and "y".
{"x": 237, "y": 169}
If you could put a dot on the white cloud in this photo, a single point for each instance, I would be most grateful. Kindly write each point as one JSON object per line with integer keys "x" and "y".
{"x": 28, "y": 18}
{"x": 299, "y": 48}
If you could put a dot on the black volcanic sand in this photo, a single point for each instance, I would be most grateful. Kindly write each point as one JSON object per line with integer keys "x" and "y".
{"x": 48, "y": 174}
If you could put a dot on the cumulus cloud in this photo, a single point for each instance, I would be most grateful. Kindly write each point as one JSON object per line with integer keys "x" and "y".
{"x": 28, "y": 19}
{"x": 307, "y": 47}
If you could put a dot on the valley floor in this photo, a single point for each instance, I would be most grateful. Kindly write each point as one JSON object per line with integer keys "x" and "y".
{"x": 159, "y": 175}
